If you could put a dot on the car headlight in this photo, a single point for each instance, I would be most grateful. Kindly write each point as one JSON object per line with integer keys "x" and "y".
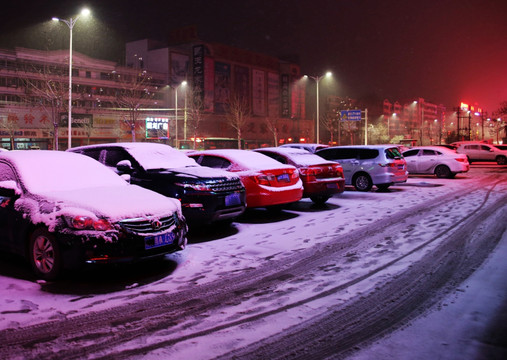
{"x": 194, "y": 186}
{"x": 80, "y": 222}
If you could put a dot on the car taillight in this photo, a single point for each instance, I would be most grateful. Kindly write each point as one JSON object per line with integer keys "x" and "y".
{"x": 262, "y": 179}
{"x": 461, "y": 159}
{"x": 310, "y": 171}
{"x": 338, "y": 170}
{"x": 86, "y": 223}
{"x": 294, "y": 174}
{"x": 390, "y": 165}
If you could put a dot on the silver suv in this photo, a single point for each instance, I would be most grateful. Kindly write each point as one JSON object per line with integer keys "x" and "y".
{"x": 482, "y": 152}
{"x": 368, "y": 165}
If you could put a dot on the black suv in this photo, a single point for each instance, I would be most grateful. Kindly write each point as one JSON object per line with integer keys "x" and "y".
{"x": 207, "y": 195}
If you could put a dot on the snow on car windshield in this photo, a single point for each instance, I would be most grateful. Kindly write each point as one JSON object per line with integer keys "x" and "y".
{"x": 46, "y": 171}
{"x": 158, "y": 156}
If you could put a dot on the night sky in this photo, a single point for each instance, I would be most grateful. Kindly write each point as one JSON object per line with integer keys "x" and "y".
{"x": 444, "y": 51}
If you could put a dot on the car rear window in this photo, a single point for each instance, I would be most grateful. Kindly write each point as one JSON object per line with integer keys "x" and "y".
{"x": 393, "y": 153}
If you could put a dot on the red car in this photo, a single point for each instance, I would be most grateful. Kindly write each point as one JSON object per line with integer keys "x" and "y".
{"x": 321, "y": 178}
{"x": 267, "y": 182}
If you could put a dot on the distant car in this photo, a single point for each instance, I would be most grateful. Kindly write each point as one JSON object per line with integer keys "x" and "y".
{"x": 62, "y": 210}
{"x": 206, "y": 195}
{"x": 306, "y": 146}
{"x": 321, "y": 178}
{"x": 482, "y": 152}
{"x": 268, "y": 183}
{"x": 443, "y": 162}
{"x": 368, "y": 165}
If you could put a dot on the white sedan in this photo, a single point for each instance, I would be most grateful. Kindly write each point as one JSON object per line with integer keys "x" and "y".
{"x": 442, "y": 162}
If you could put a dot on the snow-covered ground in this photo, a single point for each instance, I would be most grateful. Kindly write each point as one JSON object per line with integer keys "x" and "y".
{"x": 252, "y": 241}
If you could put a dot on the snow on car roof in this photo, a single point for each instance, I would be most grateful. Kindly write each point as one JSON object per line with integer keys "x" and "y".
{"x": 46, "y": 170}
{"x": 298, "y": 155}
{"x": 247, "y": 159}
{"x": 152, "y": 155}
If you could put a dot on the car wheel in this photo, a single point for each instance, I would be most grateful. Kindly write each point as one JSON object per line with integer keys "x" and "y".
{"x": 44, "y": 254}
{"x": 362, "y": 182}
{"x": 319, "y": 200}
{"x": 501, "y": 160}
{"x": 443, "y": 171}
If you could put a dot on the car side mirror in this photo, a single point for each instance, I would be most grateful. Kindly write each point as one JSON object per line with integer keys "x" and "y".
{"x": 9, "y": 189}
{"x": 124, "y": 167}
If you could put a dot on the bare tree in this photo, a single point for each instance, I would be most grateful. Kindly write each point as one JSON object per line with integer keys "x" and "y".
{"x": 237, "y": 113}
{"x": 47, "y": 91}
{"x": 10, "y": 125}
{"x": 195, "y": 111}
{"x": 331, "y": 122}
{"x": 134, "y": 93}
{"x": 273, "y": 127}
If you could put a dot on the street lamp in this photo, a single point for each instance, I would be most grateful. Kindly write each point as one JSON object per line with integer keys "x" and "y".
{"x": 317, "y": 80}
{"x": 70, "y": 23}
{"x": 183, "y": 83}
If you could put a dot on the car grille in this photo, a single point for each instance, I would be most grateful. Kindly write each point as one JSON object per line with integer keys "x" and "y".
{"x": 226, "y": 185}
{"x": 143, "y": 225}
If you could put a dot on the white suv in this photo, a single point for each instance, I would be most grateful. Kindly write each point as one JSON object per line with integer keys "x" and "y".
{"x": 482, "y": 152}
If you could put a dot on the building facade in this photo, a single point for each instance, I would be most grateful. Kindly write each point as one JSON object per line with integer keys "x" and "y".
{"x": 34, "y": 99}
{"x": 208, "y": 75}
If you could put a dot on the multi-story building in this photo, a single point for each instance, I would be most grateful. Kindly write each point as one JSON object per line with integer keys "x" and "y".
{"x": 146, "y": 100}
{"x": 418, "y": 121}
{"x": 34, "y": 100}
{"x": 215, "y": 73}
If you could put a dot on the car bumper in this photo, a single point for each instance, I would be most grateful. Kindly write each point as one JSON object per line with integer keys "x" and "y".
{"x": 261, "y": 196}
{"x": 212, "y": 207}
{"x": 390, "y": 178}
{"x": 81, "y": 247}
{"x": 323, "y": 187}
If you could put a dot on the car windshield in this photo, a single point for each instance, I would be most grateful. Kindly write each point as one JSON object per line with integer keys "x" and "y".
{"x": 48, "y": 171}
{"x": 159, "y": 156}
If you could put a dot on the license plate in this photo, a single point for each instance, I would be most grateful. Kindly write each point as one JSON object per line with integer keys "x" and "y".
{"x": 283, "y": 177}
{"x": 232, "y": 199}
{"x": 332, "y": 186}
{"x": 151, "y": 242}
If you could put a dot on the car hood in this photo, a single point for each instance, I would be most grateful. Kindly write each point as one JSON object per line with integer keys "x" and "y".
{"x": 113, "y": 203}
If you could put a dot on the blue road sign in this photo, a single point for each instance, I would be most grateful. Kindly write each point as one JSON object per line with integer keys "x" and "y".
{"x": 351, "y": 115}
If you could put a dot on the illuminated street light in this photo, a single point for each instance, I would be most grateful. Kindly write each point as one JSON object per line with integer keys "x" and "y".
{"x": 70, "y": 23}
{"x": 317, "y": 80}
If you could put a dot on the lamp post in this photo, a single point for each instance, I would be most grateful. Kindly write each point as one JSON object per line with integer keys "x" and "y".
{"x": 70, "y": 23}
{"x": 183, "y": 83}
{"x": 317, "y": 80}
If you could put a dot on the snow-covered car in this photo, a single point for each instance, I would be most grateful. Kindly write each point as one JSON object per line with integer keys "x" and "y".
{"x": 368, "y": 165}
{"x": 268, "y": 183}
{"x": 311, "y": 147}
{"x": 206, "y": 195}
{"x": 62, "y": 210}
{"x": 321, "y": 178}
{"x": 482, "y": 152}
{"x": 441, "y": 161}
